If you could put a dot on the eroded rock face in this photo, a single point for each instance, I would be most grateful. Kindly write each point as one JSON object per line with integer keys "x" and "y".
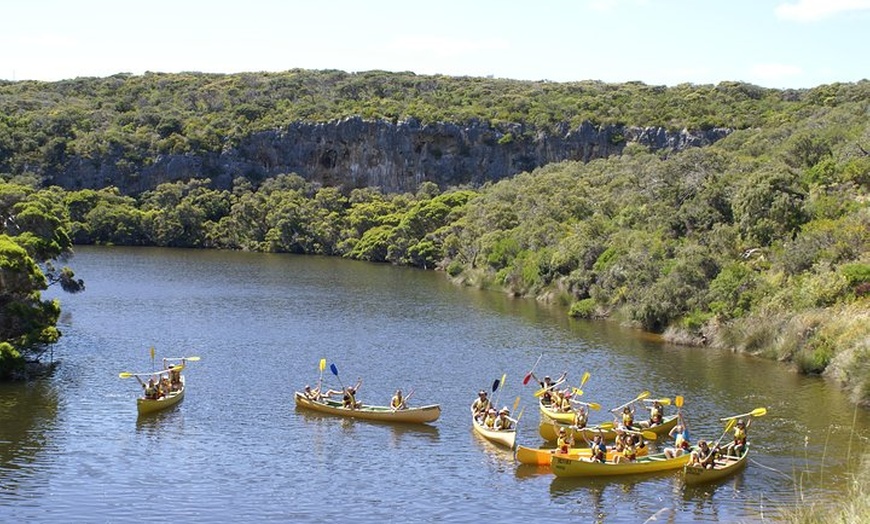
{"x": 391, "y": 156}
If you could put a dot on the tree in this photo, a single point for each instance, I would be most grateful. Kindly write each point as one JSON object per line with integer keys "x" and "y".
{"x": 34, "y": 232}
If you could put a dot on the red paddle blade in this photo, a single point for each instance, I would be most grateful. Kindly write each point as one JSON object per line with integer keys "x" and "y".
{"x": 527, "y": 378}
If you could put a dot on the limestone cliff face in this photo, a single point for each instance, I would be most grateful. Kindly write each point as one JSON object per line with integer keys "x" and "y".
{"x": 391, "y": 156}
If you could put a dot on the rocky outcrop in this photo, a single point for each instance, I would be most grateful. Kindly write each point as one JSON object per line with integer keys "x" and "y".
{"x": 391, "y": 156}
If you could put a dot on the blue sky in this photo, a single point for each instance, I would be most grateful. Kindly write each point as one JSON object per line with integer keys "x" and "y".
{"x": 771, "y": 43}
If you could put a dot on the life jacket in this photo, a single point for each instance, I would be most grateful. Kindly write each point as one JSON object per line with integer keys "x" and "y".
{"x": 562, "y": 444}
{"x": 655, "y": 415}
{"x": 396, "y": 403}
{"x": 502, "y": 423}
{"x": 580, "y": 420}
{"x": 489, "y": 421}
{"x": 627, "y": 420}
{"x": 599, "y": 452}
{"x": 629, "y": 452}
{"x": 739, "y": 436}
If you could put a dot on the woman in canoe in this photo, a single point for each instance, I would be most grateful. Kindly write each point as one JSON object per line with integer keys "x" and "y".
{"x": 680, "y": 434}
{"x": 151, "y": 389}
{"x": 580, "y": 418}
{"x": 398, "y": 402}
{"x": 564, "y": 441}
{"x": 503, "y": 422}
{"x": 627, "y": 417}
{"x": 736, "y": 447}
{"x": 656, "y": 415}
{"x": 481, "y": 405}
{"x": 349, "y": 399}
{"x": 548, "y": 386}
{"x": 704, "y": 456}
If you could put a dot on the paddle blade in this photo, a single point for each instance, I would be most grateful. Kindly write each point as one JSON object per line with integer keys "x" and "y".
{"x": 594, "y": 405}
{"x": 643, "y": 395}
{"x": 730, "y": 425}
{"x": 495, "y": 384}
{"x": 503, "y": 377}
{"x": 152, "y": 352}
{"x": 527, "y": 378}
{"x": 333, "y": 369}
{"x": 606, "y": 425}
{"x": 665, "y": 401}
{"x": 125, "y": 374}
{"x": 679, "y": 401}
{"x": 540, "y": 393}
{"x": 577, "y": 391}
{"x": 584, "y": 379}
{"x": 759, "y": 412}
{"x": 322, "y": 364}
{"x": 192, "y": 359}
{"x": 649, "y": 435}
{"x": 516, "y": 403}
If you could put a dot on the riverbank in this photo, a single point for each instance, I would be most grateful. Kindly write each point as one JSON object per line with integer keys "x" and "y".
{"x": 833, "y": 341}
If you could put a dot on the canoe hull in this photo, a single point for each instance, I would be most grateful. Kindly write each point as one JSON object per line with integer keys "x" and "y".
{"x": 567, "y": 467}
{"x": 694, "y": 475}
{"x": 416, "y": 415}
{"x": 548, "y": 429}
{"x": 507, "y": 439}
{"x": 542, "y": 456}
{"x": 145, "y": 406}
{"x": 550, "y": 414}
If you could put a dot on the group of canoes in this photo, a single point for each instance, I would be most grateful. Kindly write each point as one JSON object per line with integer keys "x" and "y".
{"x": 564, "y": 423}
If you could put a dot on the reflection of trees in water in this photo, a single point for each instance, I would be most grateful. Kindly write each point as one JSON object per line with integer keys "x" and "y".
{"x": 28, "y": 412}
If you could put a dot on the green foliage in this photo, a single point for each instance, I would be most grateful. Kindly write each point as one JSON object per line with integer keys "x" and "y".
{"x": 585, "y": 308}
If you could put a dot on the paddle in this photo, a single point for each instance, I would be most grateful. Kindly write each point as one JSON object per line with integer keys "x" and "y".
{"x": 335, "y": 372}
{"x": 662, "y": 401}
{"x": 501, "y": 387}
{"x": 649, "y": 435}
{"x": 529, "y": 374}
{"x": 728, "y": 427}
{"x": 577, "y": 391}
{"x": 189, "y": 359}
{"x": 520, "y": 415}
{"x": 592, "y": 405}
{"x": 516, "y": 403}
{"x": 583, "y": 380}
{"x": 757, "y": 412}
{"x": 642, "y": 396}
{"x": 320, "y": 380}
{"x": 127, "y": 374}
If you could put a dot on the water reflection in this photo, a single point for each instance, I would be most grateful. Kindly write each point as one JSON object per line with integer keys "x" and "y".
{"x": 28, "y": 416}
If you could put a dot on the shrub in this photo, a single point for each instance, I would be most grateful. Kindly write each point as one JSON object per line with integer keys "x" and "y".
{"x": 583, "y": 308}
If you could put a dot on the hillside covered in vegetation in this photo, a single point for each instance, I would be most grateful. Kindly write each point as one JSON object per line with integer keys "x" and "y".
{"x": 757, "y": 242}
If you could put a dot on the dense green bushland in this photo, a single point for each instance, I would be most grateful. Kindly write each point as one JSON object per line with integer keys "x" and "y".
{"x": 758, "y": 243}
{"x": 138, "y": 118}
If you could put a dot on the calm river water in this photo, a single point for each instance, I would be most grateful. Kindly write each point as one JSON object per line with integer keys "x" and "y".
{"x": 236, "y": 449}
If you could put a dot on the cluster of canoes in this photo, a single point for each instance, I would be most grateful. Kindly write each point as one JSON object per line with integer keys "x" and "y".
{"x": 574, "y": 448}
{"x": 621, "y": 447}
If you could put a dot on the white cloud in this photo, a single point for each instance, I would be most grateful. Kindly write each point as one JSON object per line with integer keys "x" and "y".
{"x": 812, "y": 10}
{"x": 775, "y": 71}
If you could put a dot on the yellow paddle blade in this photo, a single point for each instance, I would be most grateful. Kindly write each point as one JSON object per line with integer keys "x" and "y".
{"x": 665, "y": 401}
{"x": 516, "y": 403}
{"x": 730, "y": 425}
{"x": 679, "y": 401}
{"x": 759, "y": 412}
{"x": 583, "y": 380}
{"x": 322, "y": 364}
{"x": 649, "y": 435}
{"x": 642, "y": 396}
{"x": 540, "y": 393}
{"x": 192, "y": 359}
{"x": 125, "y": 374}
{"x": 606, "y": 425}
{"x": 594, "y": 405}
{"x": 577, "y": 391}
{"x": 152, "y": 352}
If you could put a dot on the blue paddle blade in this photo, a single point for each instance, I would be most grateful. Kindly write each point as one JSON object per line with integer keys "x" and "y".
{"x": 495, "y": 385}
{"x": 333, "y": 369}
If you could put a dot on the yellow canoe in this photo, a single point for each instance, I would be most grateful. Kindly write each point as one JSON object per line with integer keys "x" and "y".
{"x": 416, "y": 415}
{"x": 568, "y": 467}
{"x": 548, "y": 430}
{"x": 566, "y": 417}
{"x": 542, "y": 456}
{"x": 723, "y": 467}
{"x": 147, "y": 405}
{"x": 504, "y": 438}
